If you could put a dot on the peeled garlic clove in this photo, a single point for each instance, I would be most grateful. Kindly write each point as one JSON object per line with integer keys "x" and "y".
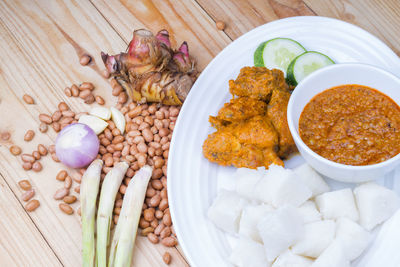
{"x": 118, "y": 118}
{"x": 101, "y": 112}
{"x": 98, "y": 125}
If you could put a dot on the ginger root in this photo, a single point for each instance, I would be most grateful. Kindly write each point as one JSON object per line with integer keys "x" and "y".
{"x": 151, "y": 71}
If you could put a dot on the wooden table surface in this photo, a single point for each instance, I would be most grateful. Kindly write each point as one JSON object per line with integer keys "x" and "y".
{"x": 37, "y": 39}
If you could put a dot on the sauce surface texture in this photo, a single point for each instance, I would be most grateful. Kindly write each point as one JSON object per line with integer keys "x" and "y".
{"x": 352, "y": 125}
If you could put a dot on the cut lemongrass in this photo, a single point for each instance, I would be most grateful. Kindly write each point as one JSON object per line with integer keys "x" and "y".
{"x": 89, "y": 191}
{"x": 125, "y": 233}
{"x": 109, "y": 190}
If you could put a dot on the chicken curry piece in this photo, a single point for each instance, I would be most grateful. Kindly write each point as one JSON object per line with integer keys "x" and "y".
{"x": 252, "y": 129}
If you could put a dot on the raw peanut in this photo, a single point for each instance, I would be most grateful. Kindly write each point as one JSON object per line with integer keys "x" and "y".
{"x": 56, "y": 127}
{"x": 52, "y": 149}
{"x": 26, "y": 196}
{"x": 29, "y": 135}
{"x": 68, "y": 113}
{"x": 118, "y": 146}
{"x": 86, "y": 85}
{"x": 155, "y": 145}
{"x": 113, "y": 82}
{"x": 66, "y": 120}
{"x": 116, "y": 217}
{"x": 61, "y": 175}
{"x": 37, "y": 166}
{"x": 147, "y": 231}
{"x": 67, "y": 91}
{"x": 143, "y": 126}
{"x": 163, "y": 204}
{"x": 27, "y": 166}
{"x": 155, "y": 201}
{"x": 138, "y": 139}
{"x": 62, "y": 106}
{"x": 163, "y": 132}
{"x": 54, "y": 157}
{"x": 142, "y": 147}
{"x": 167, "y": 258}
{"x": 32, "y": 205}
{"x": 164, "y": 170}
{"x": 42, "y": 150}
{"x": 159, "y": 228}
{"x": 45, "y": 118}
{"x": 152, "y": 108}
{"x": 159, "y": 152}
{"x": 117, "y": 211}
{"x": 165, "y": 154}
{"x": 149, "y": 120}
{"x": 99, "y": 100}
{"x": 164, "y": 180}
{"x": 15, "y": 150}
{"x": 104, "y": 141}
{"x": 163, "y": 194}
{"x": 25, "y": 185}
{"x": 89, "y": 99}
{"x": 158, "y": 124}
{"x": 43, "y": 127}
{"x": 77, "y": 189}
{"x": 75, "y": 90}
{"x": 169, "y": 241}
{"x": 167, "y": 219}
{"x": 27, "y": 158}
{"x": 117, "y": 90}
{"x": 125, "y": 150}
{"x": 159, "y": 115}
{"x": 115, "y": 131}
{"x": 118, "y": 139}
{"x": 138, "y": 120}
{"x": 165, "y": 232}
{"x": 158, "y": 163}
{"x": 154, "y": 223}
{"x": 122, "y": 98}
{"x": 148, "y": 214}
{"x": 84, "y": 60}
{"x": 157, "y": 138}
{"x": 150, "y": 192}
{"x": 84, "y": 93}
{"x": 141, "y": 158}
{"x": 5, "y": 136}
{"x": 108, "y": 134}
{"x": 67, "y": 182}
{"x": 36, "y": 155}
{"x": 77, "y": 178}
{"x": 173, "y": 111}
{"x": 147, "y": 134}
{"x": 159, "y": 214}
{"x": 122, "y": 189}
{"x": 118, "y": 203}
{"x": 172, "y": 126}
{"x": 56, "y": 115}
{"x": 157, "y": 173}
{"x": 61, "y": 193}
{"x": 109, "y": 162}
{"x": 66, "y": 208}
{"x": 28, "y": 99}
{"x": 153, "y": 238}
{"x": 156, "y": 184}
{"x": 69, "y": 199}
{"x": 143, "y": 223}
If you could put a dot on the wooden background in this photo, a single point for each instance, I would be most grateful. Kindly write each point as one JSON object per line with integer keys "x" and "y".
{"x": 37, "y": 57}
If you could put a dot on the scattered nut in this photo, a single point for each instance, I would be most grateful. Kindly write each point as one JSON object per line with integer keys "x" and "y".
{"x": 84, "y": 60}
{"x": 28, "y": 99}
{"x": 220, "y": 25}
{"x": 29, "y": 135}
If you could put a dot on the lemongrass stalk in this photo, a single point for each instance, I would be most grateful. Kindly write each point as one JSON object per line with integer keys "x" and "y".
{"x": 125, "y": 233}
{"x": 89, "y": 191}
{"x": 109, "y": 190}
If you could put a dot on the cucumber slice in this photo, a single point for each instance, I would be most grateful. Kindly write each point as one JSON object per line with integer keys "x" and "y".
{"x": 305, "y": 64}
{"x": 277, "y": 53}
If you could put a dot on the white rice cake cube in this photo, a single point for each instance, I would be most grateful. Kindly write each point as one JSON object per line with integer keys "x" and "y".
{"x": 336, "y": 204}
{"x": 311, "y": 179}
{"x": 375, "y": 203}
{"x": 317, "y": 237}
{"x": 226, "y": 210}
{"x": 246, "y": 180}
{"x": 251, "y": 215}
{"x": 247, "y": 253}
{"x": 353, "y": 237}
{"x": 309, "y": 212}
{"x": 279, "y": 187}
{"x": 279, "y": 230}
{"x": 289, "y": 259}
{"x": 333, "y": 256}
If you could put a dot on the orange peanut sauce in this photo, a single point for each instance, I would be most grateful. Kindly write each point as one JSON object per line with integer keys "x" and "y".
{"x": 352, "y": 125}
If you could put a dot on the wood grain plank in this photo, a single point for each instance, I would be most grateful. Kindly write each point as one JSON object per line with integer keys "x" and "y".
{"x": 20, "y": 246}
{"x": 37, "y": 41}
{"x": 379, "y": 17}
{"x": 242, "y": 16}
{"x": 185, "y": 20}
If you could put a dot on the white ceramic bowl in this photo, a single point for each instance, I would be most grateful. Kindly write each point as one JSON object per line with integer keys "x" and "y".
{"x": 328, "y": 77}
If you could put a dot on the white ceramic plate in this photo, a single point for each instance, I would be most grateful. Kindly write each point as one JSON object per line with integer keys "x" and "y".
{"x": 193, "y": 181}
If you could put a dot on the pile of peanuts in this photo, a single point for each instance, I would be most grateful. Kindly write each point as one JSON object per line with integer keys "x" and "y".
{"x": 146, "y": 141}
{"x": 84, "y": 91}
{"x": 64, "y": 192}
{"x": 28, "y": 195}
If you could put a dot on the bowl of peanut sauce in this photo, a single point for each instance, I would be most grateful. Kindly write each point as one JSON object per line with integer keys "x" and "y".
{"x": 345, "y": 121}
